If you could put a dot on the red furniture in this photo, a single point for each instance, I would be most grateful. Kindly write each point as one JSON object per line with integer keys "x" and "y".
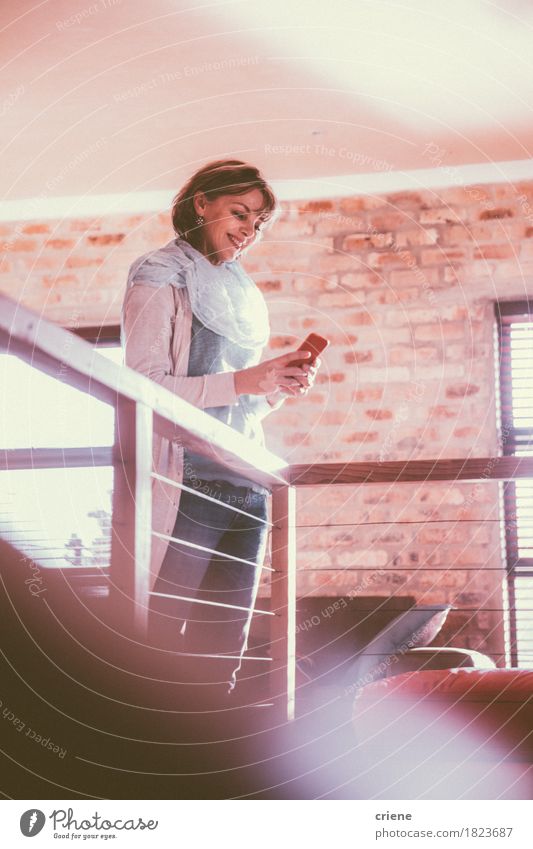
{"x": 482, "y": 711}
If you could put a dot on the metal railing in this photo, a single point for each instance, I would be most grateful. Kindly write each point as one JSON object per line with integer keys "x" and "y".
{"x": 144, "y": 408}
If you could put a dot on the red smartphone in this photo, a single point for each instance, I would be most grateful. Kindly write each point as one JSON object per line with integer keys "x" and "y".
{"x": 314, "y": 343}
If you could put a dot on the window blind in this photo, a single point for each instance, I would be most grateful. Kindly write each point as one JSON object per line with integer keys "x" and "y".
{"x": 515, "y": 336}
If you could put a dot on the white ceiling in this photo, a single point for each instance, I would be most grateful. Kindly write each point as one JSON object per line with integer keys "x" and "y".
{"x": 105, "y": 97}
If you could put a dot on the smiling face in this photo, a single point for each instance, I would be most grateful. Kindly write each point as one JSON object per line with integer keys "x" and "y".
{"x": 231, "y": 224}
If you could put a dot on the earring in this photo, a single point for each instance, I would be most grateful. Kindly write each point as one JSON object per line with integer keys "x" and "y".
{"x": 199, "y": 219}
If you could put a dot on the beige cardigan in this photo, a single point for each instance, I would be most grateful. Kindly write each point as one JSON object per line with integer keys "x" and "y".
{"x": 157, "y": 334}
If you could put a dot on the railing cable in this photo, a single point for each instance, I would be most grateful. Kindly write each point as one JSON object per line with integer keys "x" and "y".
{"x": 209, "y": 550}
{"x": 177, "y": 485}
{"x": 213, "y": 603}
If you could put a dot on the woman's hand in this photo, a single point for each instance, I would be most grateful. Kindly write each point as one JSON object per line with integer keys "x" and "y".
{"x": 278, "y": 375}
{"x": 311, "y": 370}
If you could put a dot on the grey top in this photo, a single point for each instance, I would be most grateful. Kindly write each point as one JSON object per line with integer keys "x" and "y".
{"x": 209, "y": 354}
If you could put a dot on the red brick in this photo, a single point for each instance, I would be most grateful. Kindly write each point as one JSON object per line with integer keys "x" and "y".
{"x": 76, "y": 261}
{"x": 362, "y": 436}
{"x": 414, "y": 276}
{"x": 423, "y": 316}
{"x": 390, "y": 374}
{"x": 369, "y": 558}
{"x": 336, "y": 263}
{"x": 457, "y": 352}
{"x": 314, "y": 207}
{"x": 338, "y": 299}
{"x": 382, "y": 240}
{"x": 106, "y": 239}
{"x": 390, "y": 296}
{"x": 131, "y": 222}
{"x": 269, "y": 285}
{"x": 315, "y": 398}
{"x": 526, "y": 250}
{"x": 440, "y": 256}
{"x": 283, "y": 342}
{"x": 342, "y": 338}
{"x": 296, "y": 438}
{"x": 331, "y": 224}
{"x": 312, "y": 243}
{"x": 60, "y": 244}
{"x": 358, "y": 318}
{"x": 302, "y": 227}
{"x": 362, "y": 203}
{"x": 451, "y": 275}
{"x": 495, "y": 252}
{"x": 38, "y": 263}
{"x": 466, "y": 272}
{"x": 500, "y": 212}
{"x": 36, "y": 227}
{"x": 362, "y": 280}
{"x": 421, "y": 236}
{"x": 458, "y": 234}
{"x": 441, "y": 372}
{"x": 427, "y": 354}
{"x": 310, "y": 322}
{"x": 402, "y": 257}
{"x": 312, "y": 283}
{"x": 334, "y": 377}
{"x": 389, "y": 221}
{"x": 433, "y": 535}
{"x": 440, "y": 330}
{"x": 459, "y": 313}
{"x": 353, "y": 204}
{"x": 286, "y": 419}
{"x": 358, "y": 357}
{"x": 378, "y": 415}
{"x": 83, "y": 225}
{"x": 405, "y": 198}
{"x": 461, "y": 390}
{"x": 497, "y": 230}
{"x": 318, "y": 399}
{"x": 466, "y": 432}
{"x": 22, "y": 245}
{"x": 505, "y": 192}
{"x": 333, "y": 417}
{"x": 524, "y": 187}
{"x": 52, "y": 280}
{"x": 442, "y": 215}
{"x": 520, "y": 269}
{"x": 356, "y": 242}
{"x": 401, "y": 356}
{"x": 371, "y": 393}
{"x": 453, "y": 196}
{"x": 443, "y": 412}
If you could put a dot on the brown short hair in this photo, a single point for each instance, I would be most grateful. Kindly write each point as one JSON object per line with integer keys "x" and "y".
{"x": 223, "y": 177}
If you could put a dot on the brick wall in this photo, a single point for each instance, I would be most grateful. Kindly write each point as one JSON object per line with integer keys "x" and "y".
{"x": 403, "y": 285}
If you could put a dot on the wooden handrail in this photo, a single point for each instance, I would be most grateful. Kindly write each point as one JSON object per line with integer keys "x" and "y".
{"x": 72, "y": 360}
{"x": 475, "y": 469}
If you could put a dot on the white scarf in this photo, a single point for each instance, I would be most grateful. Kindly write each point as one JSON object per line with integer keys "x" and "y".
{"x": 223, "y": 297}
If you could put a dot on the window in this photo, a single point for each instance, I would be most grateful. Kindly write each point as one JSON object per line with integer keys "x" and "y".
{"x": 515, "y": 332}
{"x": 57, "y": 481}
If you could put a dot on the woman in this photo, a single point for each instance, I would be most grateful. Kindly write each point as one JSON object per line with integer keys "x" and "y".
{"x": 194, "y": 322}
